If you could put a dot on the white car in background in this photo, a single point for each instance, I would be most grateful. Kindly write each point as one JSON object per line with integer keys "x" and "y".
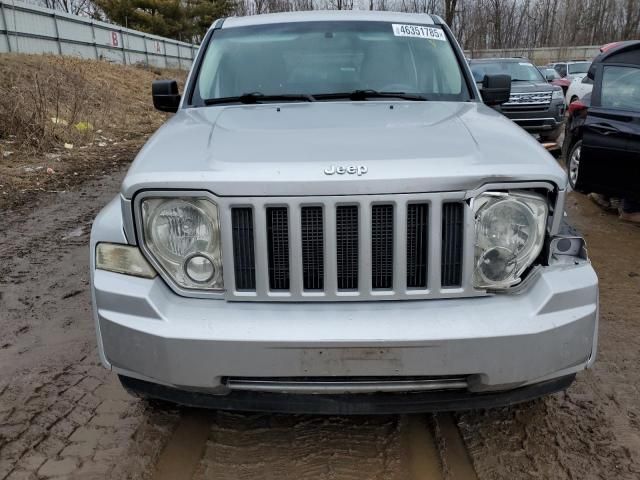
{"x": 580, "y": 86}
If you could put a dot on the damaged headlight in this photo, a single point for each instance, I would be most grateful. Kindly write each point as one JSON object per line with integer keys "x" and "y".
{"x": 510, "y": 230}
{"x": 183, "y": 236}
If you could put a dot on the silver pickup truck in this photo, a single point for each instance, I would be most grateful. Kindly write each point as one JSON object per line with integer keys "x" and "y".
{"x": 334, "y": 222}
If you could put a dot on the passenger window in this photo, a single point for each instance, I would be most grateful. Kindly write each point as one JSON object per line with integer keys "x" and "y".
{"x": 621, "y": 88}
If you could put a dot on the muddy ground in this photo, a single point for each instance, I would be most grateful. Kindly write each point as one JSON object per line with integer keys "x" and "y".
{"x": 63, "y": 416}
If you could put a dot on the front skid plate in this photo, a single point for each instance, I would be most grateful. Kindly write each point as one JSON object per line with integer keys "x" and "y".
{"x": 350, "y": 404}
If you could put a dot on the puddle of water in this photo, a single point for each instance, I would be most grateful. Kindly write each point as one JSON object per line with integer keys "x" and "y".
{"x": 181, "y": 455}
{"x": 455, "y": 458}
{"x": 422, "y": 450}
{"x": 76, "y": 232}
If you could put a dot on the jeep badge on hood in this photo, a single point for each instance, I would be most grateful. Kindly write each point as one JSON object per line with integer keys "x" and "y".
{"x": 351, "y": 170}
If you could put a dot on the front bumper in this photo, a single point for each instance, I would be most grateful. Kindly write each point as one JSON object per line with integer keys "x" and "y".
{"x": 538, "y": 120}
{"x": 497, "y": 342}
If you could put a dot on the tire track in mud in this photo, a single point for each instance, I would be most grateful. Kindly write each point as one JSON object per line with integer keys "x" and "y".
{"x": 224, "y": 445}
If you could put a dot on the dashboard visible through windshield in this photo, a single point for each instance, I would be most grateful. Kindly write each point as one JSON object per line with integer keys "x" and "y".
{"x": 321, "y": 60}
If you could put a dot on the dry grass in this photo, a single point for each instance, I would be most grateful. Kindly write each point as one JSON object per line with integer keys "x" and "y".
{"x": 64, "y": 119}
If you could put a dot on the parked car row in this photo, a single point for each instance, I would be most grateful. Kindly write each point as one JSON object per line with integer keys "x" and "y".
{"x": 602, "y": 138}
{"x": 534, "y": 104}
{"x": 601, "y": 145}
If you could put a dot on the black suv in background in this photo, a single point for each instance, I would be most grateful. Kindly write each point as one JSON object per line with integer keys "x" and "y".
{"x": 602, "y": 139}
{"x": 535, "y": 105}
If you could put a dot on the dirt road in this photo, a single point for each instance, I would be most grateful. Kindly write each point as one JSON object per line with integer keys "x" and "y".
{"x": 63, "y": 416}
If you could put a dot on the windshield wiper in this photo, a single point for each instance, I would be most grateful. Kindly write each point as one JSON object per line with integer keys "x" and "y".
{"x": 366, "y": 94}
{"x": 258, "y": 97}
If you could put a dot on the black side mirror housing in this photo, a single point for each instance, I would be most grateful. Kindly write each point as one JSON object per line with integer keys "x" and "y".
{"x": 591, "y": 74}
{"x": 166, "y": 97}
{"x": 496, "y": 89}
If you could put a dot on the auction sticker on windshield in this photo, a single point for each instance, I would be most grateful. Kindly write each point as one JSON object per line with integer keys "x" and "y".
{"x": 400, "y": 30}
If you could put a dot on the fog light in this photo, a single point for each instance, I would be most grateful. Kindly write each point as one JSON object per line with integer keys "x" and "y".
{"x": 199, "y": 268}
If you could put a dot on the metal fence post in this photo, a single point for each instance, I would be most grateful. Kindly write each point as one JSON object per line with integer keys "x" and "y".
{"x": 164, "y": 53}
{"x": 6, "y": 25}
{"x": 15, "y": 27}
{"x": 146, "y": 50}
{"x": 57, "y": 30}
{"x": 124, "y": 52}
{"x": 95, "y": 40}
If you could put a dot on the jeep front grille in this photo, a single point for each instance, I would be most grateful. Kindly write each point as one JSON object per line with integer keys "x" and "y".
{"x": 348, "y": 248}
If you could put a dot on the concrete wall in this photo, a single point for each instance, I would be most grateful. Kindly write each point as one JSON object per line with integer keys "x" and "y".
{"x": 540, "y": 56}
{"x": 26, "y": 28}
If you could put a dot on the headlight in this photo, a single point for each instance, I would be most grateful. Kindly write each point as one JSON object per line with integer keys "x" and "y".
{"x": 510, "y": 229}
{"x": 183, "y": 236}
{"x": 557, "y": 95}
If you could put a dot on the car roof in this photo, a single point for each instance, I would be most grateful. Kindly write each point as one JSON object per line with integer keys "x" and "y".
{"x": 331, "y": 15}
{"x": 623, "y": 52}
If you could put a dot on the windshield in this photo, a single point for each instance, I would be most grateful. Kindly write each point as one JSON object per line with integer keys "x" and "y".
{"x": 315, "y": 58}
{"x": 552, "y": 73}
{"x": 519, "y": 71}
{"x": 581, "y": 67}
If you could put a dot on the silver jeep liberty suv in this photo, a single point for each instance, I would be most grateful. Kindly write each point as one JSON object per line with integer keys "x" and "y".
{"x": 334, "y": 222}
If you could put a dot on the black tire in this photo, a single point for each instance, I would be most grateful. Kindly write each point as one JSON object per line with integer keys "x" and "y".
{"x": 573, "y": 164}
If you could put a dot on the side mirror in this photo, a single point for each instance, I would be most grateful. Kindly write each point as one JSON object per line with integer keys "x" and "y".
{"x": 496, "y": 89}
{"x": 550, "y": 77}
{"x": 591, "y": 74}
{"x": 165, "y": 95}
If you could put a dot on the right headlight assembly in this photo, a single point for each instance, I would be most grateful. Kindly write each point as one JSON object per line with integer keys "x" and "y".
{"x": 510, "y": 231}
{"x": 183, "y": 236}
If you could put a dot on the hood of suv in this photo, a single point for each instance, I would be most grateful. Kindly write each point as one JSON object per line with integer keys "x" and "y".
{"x": 289, "y": 149}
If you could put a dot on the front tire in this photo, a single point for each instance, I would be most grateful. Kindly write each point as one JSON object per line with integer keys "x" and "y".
{"x": 573, "y": 164}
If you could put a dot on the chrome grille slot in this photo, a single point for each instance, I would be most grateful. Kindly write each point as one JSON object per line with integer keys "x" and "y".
{"x": 347, "y": 246}
{"x": 417, "y": 244}
{"x": 382, "y": 246}
{"x": 278, "y": 238}
{"x": 243, "y": 248}
{"x": 452, "y": 236}
{"x": 312, "y": 248}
